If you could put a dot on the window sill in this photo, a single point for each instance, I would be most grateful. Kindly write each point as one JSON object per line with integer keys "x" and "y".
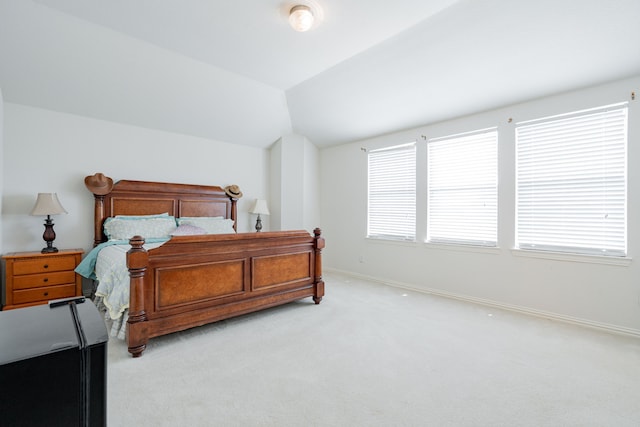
{"x": 462, "y": 248}
{"x": 559, "y": 256}
{"x": 383, "y": 241}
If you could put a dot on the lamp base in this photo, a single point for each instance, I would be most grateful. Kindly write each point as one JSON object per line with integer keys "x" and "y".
{"x": 49, "y": 236}
{"x": 258, "y": 224}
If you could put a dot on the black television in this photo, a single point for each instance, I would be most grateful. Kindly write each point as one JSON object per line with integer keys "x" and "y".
{"x": 53, "y": 365}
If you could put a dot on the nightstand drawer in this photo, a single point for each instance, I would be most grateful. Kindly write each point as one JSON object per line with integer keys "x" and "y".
{"x": 33, "y": 278}
{"x": 44, "y": 294}
{"x": 45, "y": 279}
{"x": 43, "y": 265}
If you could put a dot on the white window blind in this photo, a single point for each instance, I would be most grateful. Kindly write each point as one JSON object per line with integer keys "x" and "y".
{"x": 392, "y": 193}
{"x": 572, "y": 182}
{"x": 462, "y": 200}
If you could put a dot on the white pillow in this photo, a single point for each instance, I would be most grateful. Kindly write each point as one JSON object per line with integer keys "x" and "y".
{"x": 183, "y": 218}
{"x": 149, "y": 228}
{"x": 135, "y": 217}
{"x": 212, "y": 225}
{"x": 188, "y": 230}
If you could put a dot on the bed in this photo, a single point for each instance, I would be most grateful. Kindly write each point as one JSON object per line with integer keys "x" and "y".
{"x": 191, "y": 279}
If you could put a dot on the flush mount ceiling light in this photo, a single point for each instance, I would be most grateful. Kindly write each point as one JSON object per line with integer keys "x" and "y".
{"x": 301, "y": 18}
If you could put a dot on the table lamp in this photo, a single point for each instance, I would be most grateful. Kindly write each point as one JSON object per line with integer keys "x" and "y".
{"x": 48, "y": 204}
{"x": 259, "y": 208}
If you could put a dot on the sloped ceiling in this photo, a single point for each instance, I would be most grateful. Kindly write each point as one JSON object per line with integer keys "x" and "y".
{"x": 234, "y": 71}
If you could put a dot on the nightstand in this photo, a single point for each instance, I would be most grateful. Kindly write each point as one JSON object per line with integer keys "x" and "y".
{"x": 33, "y": 278}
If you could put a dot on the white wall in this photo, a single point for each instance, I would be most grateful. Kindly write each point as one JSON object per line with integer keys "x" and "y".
{"x": 1, "y": 161}
{"x": 275, "y": 185}
{"x": 587, "y": 292}
{"x": 47, "y": 151}
{"x": 311, "y": 190}
{"x": 294, "y": 184}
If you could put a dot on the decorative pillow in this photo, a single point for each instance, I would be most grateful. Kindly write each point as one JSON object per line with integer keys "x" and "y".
{"x": 149, "y": 228}
{"x": 188, "y": 230}
{"x": 212, "y": 225}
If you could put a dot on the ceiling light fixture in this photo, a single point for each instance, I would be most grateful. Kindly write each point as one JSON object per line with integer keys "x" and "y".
{"x": 301, "y": 18}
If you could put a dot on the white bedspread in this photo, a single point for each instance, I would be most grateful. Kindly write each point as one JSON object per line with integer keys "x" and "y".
{"x": 113, "y": 284}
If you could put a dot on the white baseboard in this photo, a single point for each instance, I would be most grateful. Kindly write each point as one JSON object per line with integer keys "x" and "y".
{"x": 510, "y": 307}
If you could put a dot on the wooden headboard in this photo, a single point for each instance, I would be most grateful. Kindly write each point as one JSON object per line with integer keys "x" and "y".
{"x": 148, "y": 198}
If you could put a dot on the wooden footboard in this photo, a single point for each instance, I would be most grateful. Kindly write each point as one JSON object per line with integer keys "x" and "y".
{"x": 194, "y": 280}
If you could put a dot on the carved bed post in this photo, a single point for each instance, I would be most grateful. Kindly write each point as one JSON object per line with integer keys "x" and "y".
{"x": 234, "y": 213}
{"x": 234, "y": 193}
{"x": 99, "y": 185}
{"x": 98, "y": 218}
{"x": 137, "y": 261}
{"x": 318, "y": 282}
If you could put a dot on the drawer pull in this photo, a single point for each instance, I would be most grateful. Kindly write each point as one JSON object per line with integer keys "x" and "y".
{"x": 46, "y": 294}
{"x": 46, "y": 266}
{"x": 46, "y": 279}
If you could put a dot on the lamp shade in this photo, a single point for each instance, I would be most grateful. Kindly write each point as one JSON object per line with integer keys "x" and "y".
{"x": 47, "y": 204}
{"x": 260, "y": 207}
{"x": 301, "y": 18}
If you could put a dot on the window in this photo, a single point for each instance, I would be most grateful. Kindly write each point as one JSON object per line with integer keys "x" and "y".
{"x": 462, "y": 189}
{"x": 392, "y": 193}
{"x": 571, "y": 182}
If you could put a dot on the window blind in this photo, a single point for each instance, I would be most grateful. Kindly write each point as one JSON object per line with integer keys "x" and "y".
{"x": 571, "y": 179}
{"x": 462, "y": 200}
{"x": 392, "y": 193}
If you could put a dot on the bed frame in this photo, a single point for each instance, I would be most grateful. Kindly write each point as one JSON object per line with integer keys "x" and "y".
{"x": 194, "y": 280}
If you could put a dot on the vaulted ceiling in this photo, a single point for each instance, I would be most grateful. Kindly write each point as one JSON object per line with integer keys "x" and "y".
{"x": 235, "y": 71}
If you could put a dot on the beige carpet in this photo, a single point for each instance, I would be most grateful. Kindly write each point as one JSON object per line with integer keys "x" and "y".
{"x": 373, "y": 355}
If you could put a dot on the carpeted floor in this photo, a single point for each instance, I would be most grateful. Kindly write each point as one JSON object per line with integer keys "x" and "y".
{"x": 374, "y": 355}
